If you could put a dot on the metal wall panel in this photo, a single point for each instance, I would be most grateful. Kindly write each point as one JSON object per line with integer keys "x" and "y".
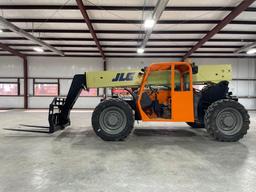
{"x": 46, "y": 67}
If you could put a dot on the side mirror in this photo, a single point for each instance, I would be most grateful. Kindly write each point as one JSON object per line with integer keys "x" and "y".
{"x": 143, "y": 69}
{"x": 194, "y": 69}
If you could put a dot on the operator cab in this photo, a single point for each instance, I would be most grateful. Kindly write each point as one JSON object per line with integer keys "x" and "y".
{"x": 166, "y": 93}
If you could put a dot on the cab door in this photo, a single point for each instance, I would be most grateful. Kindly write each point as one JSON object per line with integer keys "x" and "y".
{"x": 182, "y": 93}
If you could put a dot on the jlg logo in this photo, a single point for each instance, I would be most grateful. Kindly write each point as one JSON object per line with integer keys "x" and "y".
{"x": 123, "y": 77}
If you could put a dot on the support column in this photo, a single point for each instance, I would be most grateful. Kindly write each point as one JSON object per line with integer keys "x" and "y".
{"x": 105, "y": 69}
{"x": 25, "y": 75}
{"x": 105, "y": 65}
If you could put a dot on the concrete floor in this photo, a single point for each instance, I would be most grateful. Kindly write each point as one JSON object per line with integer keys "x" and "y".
{"x": 160, "y": 158}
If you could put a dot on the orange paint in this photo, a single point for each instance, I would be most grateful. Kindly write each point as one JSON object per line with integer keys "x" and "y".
{"x": 180, "y": 97}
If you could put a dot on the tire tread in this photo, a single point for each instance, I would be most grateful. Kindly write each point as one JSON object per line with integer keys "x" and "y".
{"x": 113, "y": 102}
{"x": 213, "y": 130}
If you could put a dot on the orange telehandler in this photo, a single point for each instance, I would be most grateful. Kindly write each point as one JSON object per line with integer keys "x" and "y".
{"x": 162, "y": 92}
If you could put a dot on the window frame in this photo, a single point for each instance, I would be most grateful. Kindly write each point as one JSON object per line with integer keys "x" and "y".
{"x": 45, "y": 82}
{"x": 10, "y": 82}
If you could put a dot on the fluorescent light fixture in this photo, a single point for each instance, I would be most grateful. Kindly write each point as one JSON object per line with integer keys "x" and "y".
{"x": 149, "y": 23}
{"x": 38, "y": 49}
{"x": 140, "y": 50}
{"x": 251, "y": 51}
{"x": 1, "y": 31}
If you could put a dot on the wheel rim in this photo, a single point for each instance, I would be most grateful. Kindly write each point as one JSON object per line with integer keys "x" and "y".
{"x": 229, "y": 121}
{"x": 112, "y": 120}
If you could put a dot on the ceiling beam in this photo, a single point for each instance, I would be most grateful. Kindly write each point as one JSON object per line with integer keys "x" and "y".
{"x": 246, "y": 47}
{"x": 142, "y": 56}
{"x": 122, "y": 8}
{"x": 125, "y": 46}
{"x": 83, "y": 11}
{"x": 128, "y": 51}
{"x": 135, "y": 31}
{"x": 27, "y": 35}
{"x": 158, "y": 10}
{"x": 116, "y": 21}
{"x": 233, "y": 14}
{"x": 13, "y": 51}
{"x": 129, "y": 40}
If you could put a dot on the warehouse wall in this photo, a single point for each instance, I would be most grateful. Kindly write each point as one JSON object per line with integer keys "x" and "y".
{"x": 66, "y": 67}
{"x": 43, "y": 67}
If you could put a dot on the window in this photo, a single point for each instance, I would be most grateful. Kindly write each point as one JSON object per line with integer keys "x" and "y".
{"x": 9, "y": 89}
{"x": 159, "y": 78}
{"x": 46, "y": 89}
{"x": 93, "y": 92}
{"x": 182, "y": 78}
{"x": 186, "y": 81}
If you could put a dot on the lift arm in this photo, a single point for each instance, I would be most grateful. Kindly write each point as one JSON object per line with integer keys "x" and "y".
{"x": 61, "y": 119}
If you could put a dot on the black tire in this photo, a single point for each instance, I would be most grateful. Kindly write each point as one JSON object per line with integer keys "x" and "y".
{"x": 227, "y": 120}
{"x": 196, "y": 125}
{"x": 113, "y": 120}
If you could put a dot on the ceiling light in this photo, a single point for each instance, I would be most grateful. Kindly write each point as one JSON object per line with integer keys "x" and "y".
{"x": 251, "y": 51}
{"x": 140, "y": 50}
{"x": 1, "y": 31}
{"x": 149, "y": 23}
{"x": 38, "y": 49}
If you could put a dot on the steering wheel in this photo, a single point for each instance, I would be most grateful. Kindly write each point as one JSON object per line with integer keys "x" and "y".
{"x": 153, "y": 90}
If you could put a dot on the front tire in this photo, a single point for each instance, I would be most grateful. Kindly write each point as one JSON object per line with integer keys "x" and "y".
{"x": 113, "y": 120}
{"x": 227, "y": 120}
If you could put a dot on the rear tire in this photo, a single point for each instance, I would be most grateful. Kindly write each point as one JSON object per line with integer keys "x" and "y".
{"x": 227, "y": 120}
{"x": 113, "y": 120}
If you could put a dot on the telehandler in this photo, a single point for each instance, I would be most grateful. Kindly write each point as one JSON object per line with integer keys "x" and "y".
{"x": 162, "y": 92}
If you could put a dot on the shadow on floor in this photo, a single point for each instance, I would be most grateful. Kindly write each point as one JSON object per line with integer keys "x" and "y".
{"x": 164, "y": 132}
{"x": 89, "y": 133}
